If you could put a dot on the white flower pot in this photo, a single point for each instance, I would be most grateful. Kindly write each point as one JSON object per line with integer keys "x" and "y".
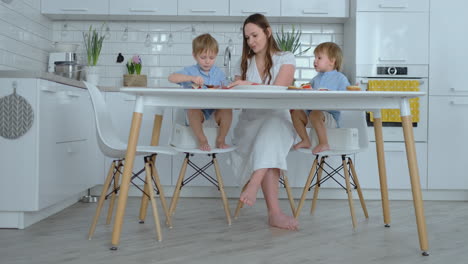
{"x": 92, "y": 74}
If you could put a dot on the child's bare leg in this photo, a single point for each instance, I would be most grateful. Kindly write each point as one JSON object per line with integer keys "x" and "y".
{"x": 299, "y": 120}
{"x": 318, "y": 121}
{"x": 223, "y": 118}
{"x": 249, "y": 195}
{"x": 276, "y": 217}
{"x": 196, "y": 119}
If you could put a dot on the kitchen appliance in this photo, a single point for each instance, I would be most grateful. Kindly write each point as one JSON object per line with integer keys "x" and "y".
{"x": 68, "y": 69}
{"x": 395, "y": 75}
{"x": 60, "y": 56}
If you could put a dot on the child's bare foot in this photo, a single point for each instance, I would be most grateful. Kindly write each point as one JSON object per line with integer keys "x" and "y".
{"x": 249, "y": 195}
{"x": 220, "y": 143}
{"x": 303, "y": 144}
{"x": 283, "y": 221}
{"x": 320, "y": 148}
{"x": 203, "y": 145}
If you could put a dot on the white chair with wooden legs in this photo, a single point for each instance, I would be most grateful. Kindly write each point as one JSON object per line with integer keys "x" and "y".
{"x": 345, "y": 141}
{"x": 283, "y": 180}
{"x": 184, "y": 141}
{"x": 112, "y": 147}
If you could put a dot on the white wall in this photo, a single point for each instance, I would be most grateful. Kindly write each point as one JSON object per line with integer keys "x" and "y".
{"x": 25, "y": 36}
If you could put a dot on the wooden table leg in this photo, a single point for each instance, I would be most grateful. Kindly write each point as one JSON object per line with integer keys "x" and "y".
{"x": 382, "y": 169}
{"x": 414, "y": 175}
{"x": 128, "y": 167}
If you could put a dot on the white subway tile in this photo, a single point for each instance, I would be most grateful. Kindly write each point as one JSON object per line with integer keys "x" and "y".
{"x": 319, "y": 38}
{"x": 302, "y": 62}
{"x": 332, "y": 28}
{"x": 169, "y": 60}
{"x": 307, "y": 74}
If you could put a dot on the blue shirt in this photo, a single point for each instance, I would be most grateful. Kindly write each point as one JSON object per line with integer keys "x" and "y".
{"x": 333, "y": 81}
{"x": 214, "y": 77}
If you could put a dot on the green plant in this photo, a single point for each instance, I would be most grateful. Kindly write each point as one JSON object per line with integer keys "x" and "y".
{"x": 290, "y": 41}
{"x": 93, "y": 44}
{"x": 134, "y": 65}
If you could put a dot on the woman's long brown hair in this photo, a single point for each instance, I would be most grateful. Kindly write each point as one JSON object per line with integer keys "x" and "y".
{"x": 271, "y": 48}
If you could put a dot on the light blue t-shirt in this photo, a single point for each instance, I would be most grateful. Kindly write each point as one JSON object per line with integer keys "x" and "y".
{"x": 214, "y": 77}
{"x": 333, "y": 81}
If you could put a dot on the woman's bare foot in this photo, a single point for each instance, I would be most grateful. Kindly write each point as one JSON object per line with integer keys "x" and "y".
{"x": 203, "y": 145}
{"x": 283, "y": 221}
{"x": 249, "y": 195}
{"x": 220, "y": 143}
{"x": 303, "y": 144}
{"x": 320, "y": 148}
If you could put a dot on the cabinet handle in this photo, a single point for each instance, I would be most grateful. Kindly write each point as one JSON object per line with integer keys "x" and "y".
{"x": 395, "y": 5}
{"x": 75, "y": 9}
{"x": 203, "y": 10}
{"x": 452, "y": 89}
{"x": 391, "y": 59}
{"x": 48, "y": 89}
{"x": 455, "y": 102}
{"x": 253, "y": 11}
{"x": 72, "y": 94}
{"x": 142, "y": 10}
{"x": 314, "y": 11}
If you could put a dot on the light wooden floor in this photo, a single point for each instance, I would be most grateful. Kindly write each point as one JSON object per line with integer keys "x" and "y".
{"x": 200, "y": 235}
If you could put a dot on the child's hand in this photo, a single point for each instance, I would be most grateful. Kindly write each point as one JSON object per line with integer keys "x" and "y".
{"x": 198, "y": 80}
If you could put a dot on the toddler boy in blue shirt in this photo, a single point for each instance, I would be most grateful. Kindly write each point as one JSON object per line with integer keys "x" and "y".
{"x": 327, "y": 62}
{"x": 204, "y": 50}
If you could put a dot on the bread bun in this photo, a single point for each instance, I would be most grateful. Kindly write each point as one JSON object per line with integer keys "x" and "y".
{"x": 353, "y": 88}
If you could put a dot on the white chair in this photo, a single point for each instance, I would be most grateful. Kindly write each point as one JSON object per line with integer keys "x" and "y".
{"x": 184, "y": 141}
{"x": 112, "y": 147}
{"x": 345, "y": 141}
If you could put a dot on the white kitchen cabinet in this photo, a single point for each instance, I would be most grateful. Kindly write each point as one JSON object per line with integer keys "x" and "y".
{"x": 315, "y": 8}
{"x": 143, "y": 7}
{"x": 447, "y": 71}
{"x": 72, "y": 7}
{"x": 395, "y": 38}
{"x": 448, "y": 142}
{"x": 203, "y": 8}
{"x": 56, "y": 160}
{"x": 246, "y": 7}
{"x": 393, "y": 5}
{"x": 396, "y": 164}
{"x": 121, "y": 107}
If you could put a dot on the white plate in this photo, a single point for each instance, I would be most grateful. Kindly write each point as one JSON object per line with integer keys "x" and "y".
{"x": 260, "y": 87}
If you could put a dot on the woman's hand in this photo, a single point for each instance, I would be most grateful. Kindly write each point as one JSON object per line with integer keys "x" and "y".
{"x": 239, "y": 82}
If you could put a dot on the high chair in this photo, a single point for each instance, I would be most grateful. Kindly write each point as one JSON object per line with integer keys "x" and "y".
{"x": 111, "y": 146}
{"x": 345, "y": 141}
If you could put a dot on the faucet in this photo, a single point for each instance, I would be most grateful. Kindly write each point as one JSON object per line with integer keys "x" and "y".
{"x": 227, "y": 62}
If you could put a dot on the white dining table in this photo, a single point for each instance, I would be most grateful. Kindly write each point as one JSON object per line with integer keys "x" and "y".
{"x": 261, "y": 98}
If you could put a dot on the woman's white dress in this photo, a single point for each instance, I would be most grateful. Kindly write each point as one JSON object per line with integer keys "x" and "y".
{"x": 263, "y": 137}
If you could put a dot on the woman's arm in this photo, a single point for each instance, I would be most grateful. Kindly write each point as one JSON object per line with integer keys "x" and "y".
{"x": 285, "y": 75}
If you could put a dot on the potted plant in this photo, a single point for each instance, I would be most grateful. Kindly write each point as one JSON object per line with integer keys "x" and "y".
{"x": 134, "y": 77}
{"x": 290, "y": 41}
{"x": 93, "y": 44}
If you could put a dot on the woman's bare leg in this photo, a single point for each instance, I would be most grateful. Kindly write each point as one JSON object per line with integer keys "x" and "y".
{"x": 249, "y": 195}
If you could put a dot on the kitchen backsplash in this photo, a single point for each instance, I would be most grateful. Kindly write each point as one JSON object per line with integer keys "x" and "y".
{"x": 163, "y": 46}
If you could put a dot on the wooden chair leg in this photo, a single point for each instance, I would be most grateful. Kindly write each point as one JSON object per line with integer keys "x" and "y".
{"x": 239, "y": 203}
{"x": 175, "y": 196}
{"x": 153, "y": 200}
{"x": 110, "y": 210}
{"x": 359, "y": 191}
{"x": 101, "y": 200}
{"x": 306, "y": 187}
{"x": 162, "y": 196}
{"x": 227, "y": 210}
{"x": 317, "y": 186}
{"x": 144, "y": 201}
{"x": 288, "y": 192}
{"x": 348, "y": 190}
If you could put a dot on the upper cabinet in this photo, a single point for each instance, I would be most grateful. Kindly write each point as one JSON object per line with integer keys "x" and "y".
{"x": 143, "y": 7}
{"x": 248, "y": 7}
{"x": 315, "y": 8}
{"x": 203, "y": 8}
{"x": 393, "y": 5}
{"x": 73, "y": 7}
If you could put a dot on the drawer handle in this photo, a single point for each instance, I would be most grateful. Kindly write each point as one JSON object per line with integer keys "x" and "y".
{"x": 453, "y": 102}
{"x": 314, "y": 11}
{"x": 72, "y": 94}
{"x": 75, "y": 9}
{"x": 142, "y": 10}
{"x": 391, "y": 59}
{"x": 203, "y": 10}
{"x": 388, "y": 5}
{"x": 253, "y": 11}
{"x": 48, "y": 89}
{"x": 452, "y": 89}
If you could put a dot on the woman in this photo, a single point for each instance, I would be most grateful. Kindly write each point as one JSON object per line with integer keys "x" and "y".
{"x": 263, "y": 137}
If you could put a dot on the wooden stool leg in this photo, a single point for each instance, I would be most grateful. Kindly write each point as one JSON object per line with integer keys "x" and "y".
{"x": 101, "y": 200}
{"x": 227, "y": 210}
{"x": 162, "y": 197}
{"x": 153, "y": 200}
{"x": 348, "y": 190}
{"x": 306, "y": 188}
{"x": 175, "y": 196}
{"x": 144, "y": 201}
{"x": 317, "y": 186}
{"x": 239, "y": 203}
{"x": 359, "y": 191}
{"x": 110, "y": 210}
{"x": 288, "y": 192}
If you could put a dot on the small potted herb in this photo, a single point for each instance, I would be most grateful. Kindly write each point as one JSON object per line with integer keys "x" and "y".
{"x": 93, "y": 44}
{"x": 290, "y": 41}
{"x": 134, "y": 77}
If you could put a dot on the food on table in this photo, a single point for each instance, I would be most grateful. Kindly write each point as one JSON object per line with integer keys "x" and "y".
{"x": 353, "y": 88}
{"x": 196, "y": 86}
{"x": 306, "y": 86}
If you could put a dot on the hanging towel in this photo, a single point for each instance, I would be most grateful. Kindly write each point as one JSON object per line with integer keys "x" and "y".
{"x": 393, "y": 115}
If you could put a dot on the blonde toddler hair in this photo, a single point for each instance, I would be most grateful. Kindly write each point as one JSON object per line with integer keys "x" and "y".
{"x": 204, "y": 43}
{"x": 333, "y": 51}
